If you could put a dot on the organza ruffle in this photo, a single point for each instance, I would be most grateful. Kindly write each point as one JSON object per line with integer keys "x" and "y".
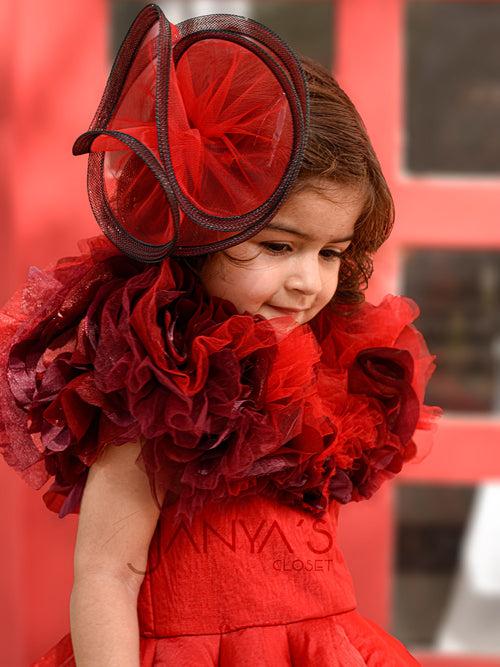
{"x": 99, "y": 350}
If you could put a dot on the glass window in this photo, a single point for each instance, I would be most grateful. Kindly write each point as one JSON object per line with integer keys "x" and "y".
{"x": 447, "y": 583}
{"x": 458, "y": 292}
{"x": 306, "y": 25}
{"x": 452, "y": 87}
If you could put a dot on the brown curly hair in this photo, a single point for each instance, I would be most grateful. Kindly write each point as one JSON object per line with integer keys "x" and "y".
{"x": 338, "y": 149}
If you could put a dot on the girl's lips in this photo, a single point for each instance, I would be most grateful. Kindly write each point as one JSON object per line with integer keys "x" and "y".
{"x": 288, "y": 311}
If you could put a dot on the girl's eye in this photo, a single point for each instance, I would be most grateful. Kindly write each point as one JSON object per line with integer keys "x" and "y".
{"x": 333, "y": 254}
{"x": 276, "y": 248}
{"x": 281, "y": 248}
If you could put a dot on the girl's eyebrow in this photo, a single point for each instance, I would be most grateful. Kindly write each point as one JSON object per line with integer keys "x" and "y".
{"x": 303, "y": 235}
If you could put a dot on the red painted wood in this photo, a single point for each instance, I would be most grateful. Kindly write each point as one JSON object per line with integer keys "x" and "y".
{"x": 450, "y": 213}
{"x": 451, "y": 459}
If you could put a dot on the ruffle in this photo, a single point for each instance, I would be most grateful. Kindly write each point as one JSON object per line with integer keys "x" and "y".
{"x": 101, "y": 350}
{"x": 340, "y": 640}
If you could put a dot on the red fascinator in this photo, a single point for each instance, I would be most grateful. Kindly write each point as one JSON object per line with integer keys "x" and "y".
{"x": 199, "y": 135}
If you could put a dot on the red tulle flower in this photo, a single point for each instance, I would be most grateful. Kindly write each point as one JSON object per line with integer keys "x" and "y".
{"x": 100, "y": 351}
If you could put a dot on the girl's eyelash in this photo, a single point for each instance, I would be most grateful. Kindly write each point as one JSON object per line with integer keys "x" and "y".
{"x": 271, "y": 247}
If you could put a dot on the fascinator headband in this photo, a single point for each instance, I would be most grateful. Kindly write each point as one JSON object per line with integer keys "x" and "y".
{"x": 199, "y": 135}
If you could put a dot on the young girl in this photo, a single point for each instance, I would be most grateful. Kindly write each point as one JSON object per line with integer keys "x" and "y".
{"x": 206, "y": 384}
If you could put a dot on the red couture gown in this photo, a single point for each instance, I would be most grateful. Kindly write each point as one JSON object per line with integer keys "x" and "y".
{"x": 251, "y": 583}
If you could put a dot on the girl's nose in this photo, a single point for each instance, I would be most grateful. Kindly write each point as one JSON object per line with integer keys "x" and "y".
{"x": 305, "y": 275}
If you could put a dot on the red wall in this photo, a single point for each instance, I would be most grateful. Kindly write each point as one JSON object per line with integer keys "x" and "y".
{"x": 53, "y": 66}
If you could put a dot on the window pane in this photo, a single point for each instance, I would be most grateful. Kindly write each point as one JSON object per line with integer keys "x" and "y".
{"x": 458, "y": 292}
{"x": 447, "y": 584}
{"x": 453, "y": 86}
{"x": 306, "y": 25}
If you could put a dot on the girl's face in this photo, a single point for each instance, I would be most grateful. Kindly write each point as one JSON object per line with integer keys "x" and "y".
{"x": 292, "y": 265}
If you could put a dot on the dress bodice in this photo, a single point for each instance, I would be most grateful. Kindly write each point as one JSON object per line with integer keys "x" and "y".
{"x": 250, "y": 561}
{"x": 250, "y": 582}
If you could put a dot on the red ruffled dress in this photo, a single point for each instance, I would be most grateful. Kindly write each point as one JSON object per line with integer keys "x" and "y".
{"x": 256, "y": 445}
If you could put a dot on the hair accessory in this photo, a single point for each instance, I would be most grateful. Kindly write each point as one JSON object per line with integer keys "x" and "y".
{"x": 198, "y": 137}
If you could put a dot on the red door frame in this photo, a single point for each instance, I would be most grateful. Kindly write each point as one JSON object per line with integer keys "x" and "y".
{"x": 430, "y": 212}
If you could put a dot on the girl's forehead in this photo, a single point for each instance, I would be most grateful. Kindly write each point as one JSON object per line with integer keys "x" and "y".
{"x": 331, "y": 206}
{"x": 323, "y": 190}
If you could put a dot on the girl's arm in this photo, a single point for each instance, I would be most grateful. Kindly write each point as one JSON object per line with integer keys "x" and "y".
{"x": 117, "y": 519}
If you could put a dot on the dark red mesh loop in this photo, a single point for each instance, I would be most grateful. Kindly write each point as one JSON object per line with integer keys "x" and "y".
{"x": 199, "y": 135}
{"x": 137, "y": 210}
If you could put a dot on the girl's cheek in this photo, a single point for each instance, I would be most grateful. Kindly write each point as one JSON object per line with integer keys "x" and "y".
{"x": 330, "y": 285}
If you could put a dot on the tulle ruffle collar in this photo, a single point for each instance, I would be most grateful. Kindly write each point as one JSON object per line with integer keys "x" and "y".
{"x": 99, "y": 350}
